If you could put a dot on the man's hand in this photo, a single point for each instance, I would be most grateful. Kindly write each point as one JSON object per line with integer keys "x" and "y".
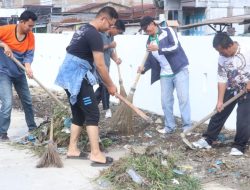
{"x": 112, "y": 44}
{"x": 152, "y": 47}
{"x": 7, "y": 50}
{"x": 219, "y": 106}
{"x": 248, "y": 86}
{"x": 112, "y": 89}
{"x": 140, "y": 69}
{"x": 118, "y": 61}
{"x": 28, "y": 70}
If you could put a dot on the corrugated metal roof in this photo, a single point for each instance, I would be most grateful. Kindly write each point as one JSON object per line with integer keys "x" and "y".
{"x": 90, "y": 6}
{"x": 239, "y": 19}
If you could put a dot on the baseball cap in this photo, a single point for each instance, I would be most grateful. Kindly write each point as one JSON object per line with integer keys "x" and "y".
{"x": 145, "y": 21}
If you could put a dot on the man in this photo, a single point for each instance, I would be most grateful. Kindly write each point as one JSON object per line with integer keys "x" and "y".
{"x": 18, "y": 41}
{"x": 168, "y": 62}
{"x": 109, "y": 52}
{"x": 233, "y": 76}
{"x": 77, "y": 76}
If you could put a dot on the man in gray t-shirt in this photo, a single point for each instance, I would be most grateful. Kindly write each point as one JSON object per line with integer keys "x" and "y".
{"x": 109, "y": 46}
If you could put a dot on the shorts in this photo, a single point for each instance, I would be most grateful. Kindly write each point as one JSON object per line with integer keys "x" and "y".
{"x": 85, "y": 110}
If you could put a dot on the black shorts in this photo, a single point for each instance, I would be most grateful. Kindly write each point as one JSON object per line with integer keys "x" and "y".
{"x": 85, "y": 110}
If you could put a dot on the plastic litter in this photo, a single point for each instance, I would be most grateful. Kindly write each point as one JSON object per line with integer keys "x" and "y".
{"x": 135, "y": 176}
{"x": 179, "y": 172}
{"x": 67, "y": 123}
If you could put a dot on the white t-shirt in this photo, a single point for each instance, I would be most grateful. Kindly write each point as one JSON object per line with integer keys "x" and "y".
{"x": 235, "y": 70}
{"x": 165, "y": 66}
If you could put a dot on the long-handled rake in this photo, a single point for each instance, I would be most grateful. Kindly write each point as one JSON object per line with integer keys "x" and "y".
{"x": 183, "y": 135}
{"x": 122, "y": 118}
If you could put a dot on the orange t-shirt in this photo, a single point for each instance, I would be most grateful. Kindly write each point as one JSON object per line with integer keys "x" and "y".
{"x": 22, "y": 50}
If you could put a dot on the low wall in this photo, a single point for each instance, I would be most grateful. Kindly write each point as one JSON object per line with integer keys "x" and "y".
{"x": 50, "y": 52}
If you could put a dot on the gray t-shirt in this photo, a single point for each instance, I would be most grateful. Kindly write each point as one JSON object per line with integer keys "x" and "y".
{"x": 107, "y": 39}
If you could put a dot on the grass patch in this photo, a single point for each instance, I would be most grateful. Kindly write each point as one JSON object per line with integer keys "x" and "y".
{"x": 156, "y": 176}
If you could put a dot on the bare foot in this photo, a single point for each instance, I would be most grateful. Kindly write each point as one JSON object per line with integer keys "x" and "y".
{"x": 99, "y": 157}
{"x": 73, "y": 152}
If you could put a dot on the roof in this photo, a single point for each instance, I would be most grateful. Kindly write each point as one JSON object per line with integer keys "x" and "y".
{"x": 90, "y": 6}
{"x": 226, "y": 21}
{"x": 139, "y": 11}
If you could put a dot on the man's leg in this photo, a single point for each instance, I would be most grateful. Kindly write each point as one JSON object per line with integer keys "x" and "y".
{"x": 98, "y": 94}
{"x": 75, "y": 129}
{"x": 23, "y": 92}
{"x": 5, "y": 103}
{"x": 105, "y": 98}
{"x": 75, "y": 132}
{"x": 218, "y": 120}
{"x": 95, "y": 154}
{"x": 167, "y": 101}
{"x": 181, "y": 82}
{"x": 243, "y": 123}
{"x": 86, "y": 101}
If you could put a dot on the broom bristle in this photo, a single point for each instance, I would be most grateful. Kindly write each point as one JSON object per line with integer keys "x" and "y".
{"x": 122, "y": 118}
{"x": 122, "y": 90}
{"x": 50, "y": 158}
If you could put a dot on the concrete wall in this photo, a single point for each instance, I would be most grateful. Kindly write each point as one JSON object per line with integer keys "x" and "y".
{"x": 50, "y": 51}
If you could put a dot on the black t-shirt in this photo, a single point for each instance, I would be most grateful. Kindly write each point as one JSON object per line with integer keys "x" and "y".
{"x": 84, "y": 41}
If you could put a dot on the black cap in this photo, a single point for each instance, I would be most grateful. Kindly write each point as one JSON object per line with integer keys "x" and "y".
{"x": 145, "y": 21}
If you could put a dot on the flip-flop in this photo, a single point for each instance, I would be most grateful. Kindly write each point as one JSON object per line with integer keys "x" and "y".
{"x": 82, "y": 156}
{"x": 108, "y": 162}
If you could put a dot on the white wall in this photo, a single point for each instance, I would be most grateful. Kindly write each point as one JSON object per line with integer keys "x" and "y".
{"x": 50, "y": 51}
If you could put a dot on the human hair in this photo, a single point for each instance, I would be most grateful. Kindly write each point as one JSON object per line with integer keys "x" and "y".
{"x": 119, "y": 24}
{"x": 110, "y": 11}
{"x": 222, "y": 39}
{"x": 26, "y": 15}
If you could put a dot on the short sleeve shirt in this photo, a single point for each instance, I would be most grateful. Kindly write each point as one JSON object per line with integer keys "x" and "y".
{"x": 235, "y": 70}
{"x": 84, "y": 41}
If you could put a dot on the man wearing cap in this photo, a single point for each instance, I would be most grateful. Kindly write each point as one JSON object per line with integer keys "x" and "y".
{"x": 168, "y": 62}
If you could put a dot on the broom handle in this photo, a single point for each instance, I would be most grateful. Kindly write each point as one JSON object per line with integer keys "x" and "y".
{"x": 215, "y": 111}
{"x": 40, "y": 84}
{"x": 139, "y": 74}
{"x": 138, "y": 111}
{"x": 51, "y": 130}
{"x": 119, "y": 71}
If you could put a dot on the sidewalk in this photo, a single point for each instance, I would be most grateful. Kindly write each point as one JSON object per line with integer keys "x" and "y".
{"x": 18, "y": 171}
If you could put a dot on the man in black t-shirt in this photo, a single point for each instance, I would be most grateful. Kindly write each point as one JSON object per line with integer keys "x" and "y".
{"x": 77, "y": 75}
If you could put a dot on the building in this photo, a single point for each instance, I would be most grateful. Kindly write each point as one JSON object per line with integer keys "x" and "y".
{"x": 193, "y": 11}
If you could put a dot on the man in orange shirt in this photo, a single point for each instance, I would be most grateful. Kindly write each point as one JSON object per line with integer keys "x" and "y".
{"x": 18, "y": 41}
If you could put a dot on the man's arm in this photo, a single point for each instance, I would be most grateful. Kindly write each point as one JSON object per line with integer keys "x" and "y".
{"x": 102, "y": 70}
{"x": 115, "y": 57}
{"x": 221, "y": 92}
{"x": 6, "y": 48}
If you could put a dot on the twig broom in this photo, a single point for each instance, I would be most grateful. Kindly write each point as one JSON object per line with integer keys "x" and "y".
{"x": 122, "y": 118}
{"x": 50, "y": 156}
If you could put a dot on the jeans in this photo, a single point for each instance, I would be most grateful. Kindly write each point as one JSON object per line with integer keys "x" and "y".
{"x": 180, "y": 82}
{"x": 6, "y": 100}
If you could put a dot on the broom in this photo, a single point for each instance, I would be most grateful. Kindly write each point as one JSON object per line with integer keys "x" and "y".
{"x": 122, "y": 89}
{"x": 50, "y": 156}
{"x": 122, "y": 118}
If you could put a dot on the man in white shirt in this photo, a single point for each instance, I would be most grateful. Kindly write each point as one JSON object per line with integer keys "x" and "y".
{"x": 233, "y": 76}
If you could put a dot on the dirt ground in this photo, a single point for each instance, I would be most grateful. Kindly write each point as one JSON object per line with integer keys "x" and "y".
{"x": 213, "y": 165}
